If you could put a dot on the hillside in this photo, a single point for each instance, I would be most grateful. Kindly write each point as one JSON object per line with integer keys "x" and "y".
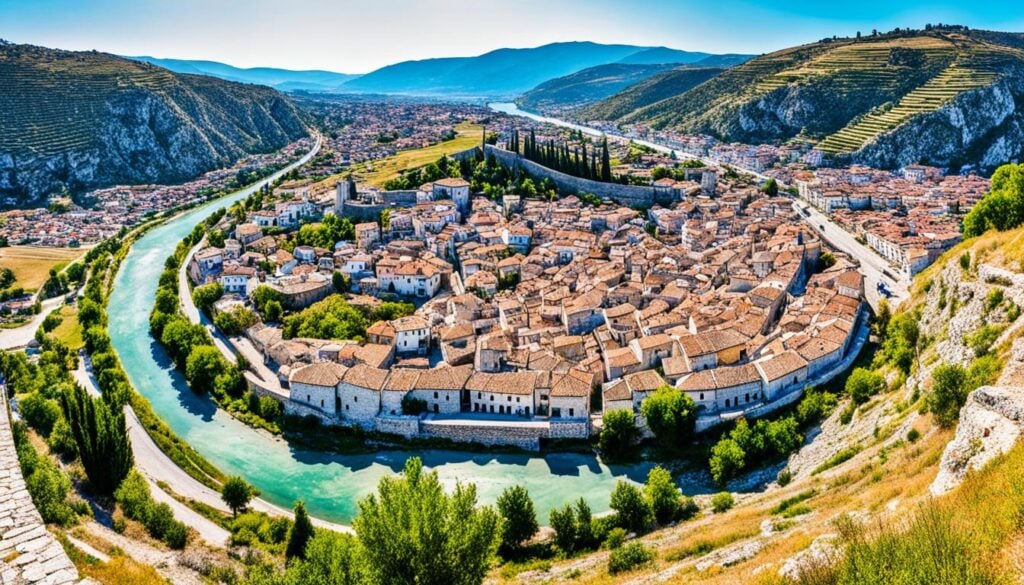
{"x": 649, "y": 91}
{"x": 590, "y": 85}
{"x": 881, "y": 485}
{"x": 282, "y": 79}
{"x": 504, "y": 72}
{"x": 946, "y": 97}
{"x": 82, "y": 120}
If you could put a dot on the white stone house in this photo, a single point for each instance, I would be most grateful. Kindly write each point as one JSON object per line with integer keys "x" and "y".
{"x": 316, "y": 385}
{"x": 359, "y": 394}
{"x": 503, "y": 393}
{"x": 239, "y": 279}
{"x": 412, "y": 334}
{"x": 781, "y": 373}
{"x": 570, "y": 395}
{"x": 305, "y": 254}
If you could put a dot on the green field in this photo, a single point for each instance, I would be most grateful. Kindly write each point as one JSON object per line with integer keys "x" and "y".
{"x": 69, "y": 332}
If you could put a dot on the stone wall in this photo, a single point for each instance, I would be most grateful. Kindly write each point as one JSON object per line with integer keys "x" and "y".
{"x": 28, "y": 552}
{"x": 516, "y": 436}
{"x": 403, "y": 425}
{"x": 629, "y": 195}
{"x": 569, "y": 429}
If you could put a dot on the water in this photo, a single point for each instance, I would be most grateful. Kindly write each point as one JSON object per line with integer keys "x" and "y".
{"x": 330, "y": 484}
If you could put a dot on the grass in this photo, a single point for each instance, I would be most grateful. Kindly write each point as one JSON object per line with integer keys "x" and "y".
{"x": 31, "y": 265}
{"x": 69, "y": 332}
{"x": 378, "y": 172}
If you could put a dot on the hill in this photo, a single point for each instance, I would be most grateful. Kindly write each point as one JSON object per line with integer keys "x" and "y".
{"x": 283, "y": 79}
{"x": 648, "y": 91}
{"x": 663, "y": 55}
{"x": 504, "y": 72}
{"x": 944, "y": 96}
{"x": 82, "y": 120}
{"x": 589, "y": 85}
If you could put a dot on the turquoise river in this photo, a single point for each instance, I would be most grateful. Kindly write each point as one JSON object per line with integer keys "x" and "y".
{"x": 330, "y": 484}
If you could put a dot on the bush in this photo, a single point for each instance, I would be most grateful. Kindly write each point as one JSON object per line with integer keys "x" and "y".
{"x": 618, "y": 434}
{"x": 982, "y": 339}
{"x": 663, "y": 496}
{"x": 785, "y": 476}
{"x": 671, "y": 416}
{"x": 863, "y": 384}
{"x": 520, "y": 521}
{"x": 39, "y": 412}
{"x": 722, "y": 502}
{"x": 628, "y": 557}
{"x": 413, "y": 406}
{"x": 913, "y": 435}
{"x": 633, "y": 510}
{"x": 48, "y": 486}
{"x": 727, "y": 459}
{"x": 949, "y": 393}
{"x": 965, "y": 261}
{"x": 61, "y": 441}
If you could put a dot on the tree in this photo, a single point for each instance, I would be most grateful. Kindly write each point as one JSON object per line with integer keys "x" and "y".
{"x": 340, "y": 281}
{"x": 826, "y": 261}
{"x": 272, "y": 311}
{"x": 263, "y": 295}
{"x": 520, "y": 521}
{"x": 863, "y": 384}
{"x": 332, "y": 558}
{"x": 722, "y": 502}
{"x": 1003, "y": 207}
{"x": 660, "y": 173}
{"x": 236, "y": 493}
{"x": 618, "y": 434}
{"x": 606, "y": 162}
{"x": 949, "y": 393}
{"x": 101, "y": 438}
{"x": 215, "y": 238}
{"x": 235, "y": 320}
{"x": 634, "y": 513}
{"x": 770, "y": 187}
{"x": 727, "y": 458}
{"x": 563, "y": 522}
{"x": 663, "y": 495}
{"x": 204, "y": 296}
{"x": 415, "y": 533}
{"x": 203, "y": 366}
{"x": 302, "y": 530}
{"x": 671, "y": 416}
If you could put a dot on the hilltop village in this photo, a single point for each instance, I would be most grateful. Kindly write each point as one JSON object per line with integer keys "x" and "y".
{"x": 533, "y": 315}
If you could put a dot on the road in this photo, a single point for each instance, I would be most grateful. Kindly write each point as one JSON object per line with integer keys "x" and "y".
{"x": 19, "y": 337}
{"x": 872, "y": 266}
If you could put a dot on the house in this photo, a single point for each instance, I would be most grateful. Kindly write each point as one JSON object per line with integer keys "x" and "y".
{"x": 367, "y": 235}
{"x": 412, "y": 334}
{"x": 713, "y": 348}
{"x": 304, "y": 254}
{"x": 441, "y": 388}
{"x": 781, "y": 373}
{"x": 239, "y": 279}
{"x": 315, "y": 385}
{"x": 206, "y": 263}
{"x": 570, "y": 395}
{"x": 503, "y": 393}
{"x": 652, "y": 349}
{"x": 302, "y": 290}
{"x": 631, "y": 390}
{"x": 517, "y": 237}
{"x": 358, "y": 394}
{"x": 414, "y": 278}
{"x": 246, "y": 233}
{"x": 455, "y": 189}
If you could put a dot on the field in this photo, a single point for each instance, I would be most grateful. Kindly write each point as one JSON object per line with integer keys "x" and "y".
{"x": 380, "y": 171}
{"x": 31, "y": 265}
{"x": 69, "y": 332}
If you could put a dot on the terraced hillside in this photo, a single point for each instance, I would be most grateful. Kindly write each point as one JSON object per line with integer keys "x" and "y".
{"x": 858, "y": 97}
{"x": 646, "y": 92}
{"x": 77, "y": 121}
{"x": 588, "y": 85}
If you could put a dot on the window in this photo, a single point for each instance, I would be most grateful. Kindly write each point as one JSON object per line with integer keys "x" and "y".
{"x": 355, "y": 399}
{"x": 510, "y": 399}
{"x": 492, "y": 397}
{"x": 435, "y": 394}
{"x": 727, "y": 403}
{"x": 321, "y": 403}
{"x": 517, "y": 399}
{"x": 479, "y": 394}
{"x": 308, "y": 399}
{"x": 748, "y": 396}
{"x": 346, "y": 407}
{"x": 571, "y": 413}
{"x": 702, "y": 396}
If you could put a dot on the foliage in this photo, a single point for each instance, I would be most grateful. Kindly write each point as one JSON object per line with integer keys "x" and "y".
{"x": 722, "y": 502}
{"x": 671, "y": 416}
{"x": 727, "y": 459}
{"x": 949, "y": 393}
{"x": 47, "y": 485}
{"x": 236, "y": 493}
{"x": 301, "y": 533}
{"x": 633, "y": 510}
{"x": 202, "y": 367}
{"x": 981, "y": 340}
{"x": 628, "y": 557}
{"x": 663, "y": 496}
{"x": 327, "y": 233}
{"x": 262, "y": 296}
{"x": 899, "y": 347}
{"x": 413, "y": 532}
{"x": 205, "y": 295}
{"x": 862, "y": 384}
{"x": 519, "y": 521}
{"x": 618, "y": 434}
{"x": 1003, "y": 207}
{"x": 235, "y": 320}
{"x": 413, "y": 406}
{"x": 40, "y": 412}
{"x": 826, "y": 261}
{"x": 331, "y": 318}
{"x": 101, "y": 438}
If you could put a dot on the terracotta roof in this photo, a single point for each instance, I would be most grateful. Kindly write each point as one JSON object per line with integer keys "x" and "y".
{"x": 781, "y": 365}
{"x": 319, "y": 374}
{"x": 645, "y": 381}
{"x": 444, "y": 378}
{"x": 520, "y": 383}
{"x": 364, "y": 376}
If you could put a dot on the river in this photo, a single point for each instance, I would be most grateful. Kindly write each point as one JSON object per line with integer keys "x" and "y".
{"x": 330, "y": 484}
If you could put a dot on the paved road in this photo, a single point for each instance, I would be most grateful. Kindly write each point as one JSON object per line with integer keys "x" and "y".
{"x": 21, "y": 336}
{"x": 872, "y": 266}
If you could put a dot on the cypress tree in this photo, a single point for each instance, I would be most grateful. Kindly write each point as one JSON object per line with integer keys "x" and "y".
{"x": 585, "y": 173}
{"x": 300, "y": 534}
{"x": 101, "y": 438}
{"x": 606, "y": 162}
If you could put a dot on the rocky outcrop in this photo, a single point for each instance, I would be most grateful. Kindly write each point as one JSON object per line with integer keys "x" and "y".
{"x": 990, "y": 424}
{"x": 73, "y": 122}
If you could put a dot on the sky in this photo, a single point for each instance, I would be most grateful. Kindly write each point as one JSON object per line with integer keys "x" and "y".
{"x": 359, "y": 36}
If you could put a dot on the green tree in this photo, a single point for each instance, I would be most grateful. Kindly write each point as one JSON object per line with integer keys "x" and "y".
{"x": 203, "y": 366}
{"x": 204, "y": 296}
{"x": 663, "y": 495}
{"x": 606, "y": 162}
{"x": 101, "y": 438}
{"x": 722, "y": 502}
{"x": 300, "y": 534}
{"x": 770, "y": 187}
{"x": 671, "y": 416}
{"x": 1003, "y": 207}
{"x": 563, "y": 522}
{"x": 263, "y": 295}
{"x": 863, "y": 384}
{"x": 826, "y": 261}
{"x": 332, "y": 558}
{"x": 618, "y": 434}
{"x": 414, "y": 533}
{"x": 633, "y": 510}
{"x": 215, "y": 238}
{"x": 519, "y": 519}
{"x": 236, "y": 493}
{"x": 949, "y": 393}
{"x": 272, "y": 311}
{"x": 727, "y": 459}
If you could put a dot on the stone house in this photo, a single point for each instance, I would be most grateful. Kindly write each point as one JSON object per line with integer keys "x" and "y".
{"x": 412, "y": 335}
{"x": 782, "y": 372}
{"x": 239, "y": 279}
{"x": 359, "y": 394}
{"x": 503, "y": 393}
{"x": 316, "y": 385}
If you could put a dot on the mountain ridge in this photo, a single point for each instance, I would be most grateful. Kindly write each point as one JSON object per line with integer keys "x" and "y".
{"x": 278, "y": 78}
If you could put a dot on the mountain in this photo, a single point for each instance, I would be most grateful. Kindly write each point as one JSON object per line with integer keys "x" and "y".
{"x": 283, "y": 79}
{"x": 504, "y": 72}
{"x": 657, "y": 55}
{"x": 944, "y": 96}
{"x": 589, "y": 85}
{"x": 648, "y": 91}
{"x": 82, "y": 120}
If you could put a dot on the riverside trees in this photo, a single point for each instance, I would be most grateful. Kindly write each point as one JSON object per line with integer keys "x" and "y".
{"x": 102, "y": 440}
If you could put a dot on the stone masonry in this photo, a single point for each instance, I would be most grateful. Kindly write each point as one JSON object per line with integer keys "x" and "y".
{"x": 29, "y": 553}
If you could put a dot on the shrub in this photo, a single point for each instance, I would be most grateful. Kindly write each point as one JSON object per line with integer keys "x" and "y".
{"x": 48, "y": 486}
{"x": 727, "y": 459}
{"x": 563, "y": 522}
{"x": 633, "y": 510}
{"x": 663, "y": 496}
{"x": 722, "y": 502}
{"x": 913, "y": 435}
{"x": 671, "y": 416}
{"x": 61, "y": 441}
{"x": 949, "y": 393}
{"x": 785, "y": 476}
{"x": 39, "y": 412}
{"x": 982, "y": 339}
{"x": 628, "y": 557}
{"x": 520, "y": 521}
{"x": 616, "y": 537}
{"x": 413, "y": 406}
{"x": 863, "y": 384}
{"x": 965, "y": 261}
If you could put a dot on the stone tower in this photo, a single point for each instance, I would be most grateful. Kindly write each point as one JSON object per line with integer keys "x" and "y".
{"x": 345, "y": 190}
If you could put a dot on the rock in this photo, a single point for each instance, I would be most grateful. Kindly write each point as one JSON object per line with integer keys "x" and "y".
{"x": 822, "y": 552}
{"x": 990, "y": 423}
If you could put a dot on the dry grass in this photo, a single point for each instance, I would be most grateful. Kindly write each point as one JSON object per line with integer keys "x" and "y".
{"x": 121, "y": 571}
{"x": 378, "y": 172}
{"x": 69, "y": 332}
{"x": 31, "y": 265}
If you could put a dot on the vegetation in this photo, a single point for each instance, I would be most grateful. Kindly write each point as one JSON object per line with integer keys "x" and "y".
{"x": 48, "y": 486}
{"x": 1003, "y": 207}
{"x": 30, "y": 266}
{"x": 334, "y": 318}
{"x": 628, "y": 557}
{"x": 519, "y": 521}
{"x": 722, "y": 502}
{"x": 101, "y": 438}
{"x": 671, "y": 416}
{"x": 236, "y": 493}
{"x": 136, "y": 501}
{"x": 618, "y": 433}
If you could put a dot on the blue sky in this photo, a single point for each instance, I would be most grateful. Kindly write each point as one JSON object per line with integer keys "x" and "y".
{"x": 351, "y": 36}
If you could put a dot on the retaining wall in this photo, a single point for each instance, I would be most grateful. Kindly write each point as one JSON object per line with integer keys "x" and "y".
{"x": 28, "y": 552}
{"x": 516, "y": 436}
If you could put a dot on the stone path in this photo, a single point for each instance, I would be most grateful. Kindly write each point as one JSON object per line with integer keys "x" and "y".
{"x": 28, "y": 552}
